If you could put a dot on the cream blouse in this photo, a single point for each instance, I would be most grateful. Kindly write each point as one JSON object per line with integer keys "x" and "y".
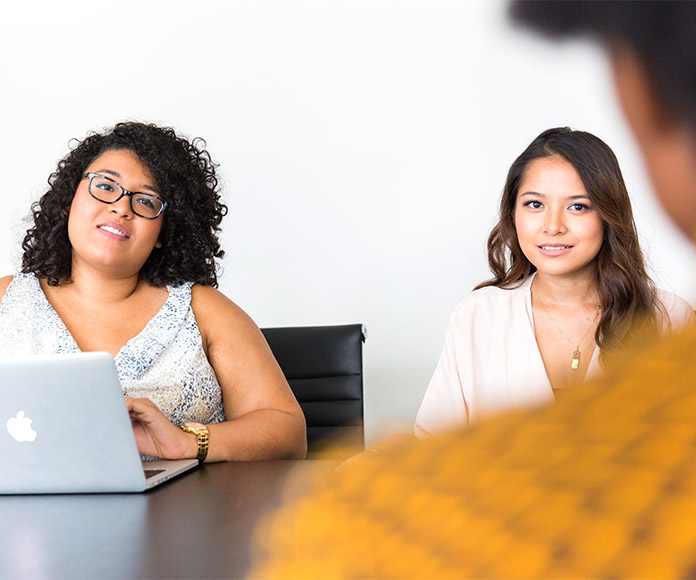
{"x": 491, "y": 362}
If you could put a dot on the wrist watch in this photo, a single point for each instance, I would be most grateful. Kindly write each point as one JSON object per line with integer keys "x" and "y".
{"x": 200, "y": 431}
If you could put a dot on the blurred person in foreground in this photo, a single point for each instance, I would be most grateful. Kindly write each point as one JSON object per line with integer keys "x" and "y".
{"x": 601, "y": 485}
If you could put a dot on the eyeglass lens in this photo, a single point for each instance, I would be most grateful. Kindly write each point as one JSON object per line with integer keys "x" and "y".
{"x": 109, "y": 191}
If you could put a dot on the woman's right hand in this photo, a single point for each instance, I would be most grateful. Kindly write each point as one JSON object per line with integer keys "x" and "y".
{"x": 155, "y": 435}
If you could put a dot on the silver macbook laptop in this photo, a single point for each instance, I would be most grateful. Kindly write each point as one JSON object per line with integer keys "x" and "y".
{"x": 64, "y": 428}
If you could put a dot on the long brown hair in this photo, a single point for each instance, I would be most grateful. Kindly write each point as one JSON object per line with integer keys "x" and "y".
{"x": 630, "y": 307}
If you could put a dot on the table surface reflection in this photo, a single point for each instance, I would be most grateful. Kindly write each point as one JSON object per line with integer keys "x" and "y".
{"x": 198, "y": 525}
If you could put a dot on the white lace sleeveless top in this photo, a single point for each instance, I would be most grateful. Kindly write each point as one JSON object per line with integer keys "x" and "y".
{"x": 165, "y": 362}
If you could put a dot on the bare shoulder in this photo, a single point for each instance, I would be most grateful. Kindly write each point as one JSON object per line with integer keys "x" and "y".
{"x": 207, "y": 300}
{"x": 216, "y": 314}
{"x": 4, "y": 283}
{"x": 235, "y": 348}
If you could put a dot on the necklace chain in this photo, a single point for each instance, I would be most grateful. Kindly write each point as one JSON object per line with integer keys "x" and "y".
{"x": 575, "y": 361}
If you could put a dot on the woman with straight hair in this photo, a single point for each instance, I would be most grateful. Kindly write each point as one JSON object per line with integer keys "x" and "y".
{"x": 569, "y": 288}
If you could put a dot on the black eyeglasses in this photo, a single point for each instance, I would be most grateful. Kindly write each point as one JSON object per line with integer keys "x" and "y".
{"x": 106, "y": 190}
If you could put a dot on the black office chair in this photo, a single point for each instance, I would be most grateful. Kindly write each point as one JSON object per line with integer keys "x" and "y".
{"x": 323, "y": 365}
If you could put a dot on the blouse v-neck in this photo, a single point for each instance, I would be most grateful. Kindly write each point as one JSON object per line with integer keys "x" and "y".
{"x": 592, "y": 368}
{"x": 152, "y": 339}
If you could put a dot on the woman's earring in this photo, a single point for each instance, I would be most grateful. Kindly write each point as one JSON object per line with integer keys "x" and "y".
{"x": 158, "y": 244}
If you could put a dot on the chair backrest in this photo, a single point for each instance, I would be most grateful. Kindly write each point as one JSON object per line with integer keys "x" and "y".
{"x": 323, "y": 365}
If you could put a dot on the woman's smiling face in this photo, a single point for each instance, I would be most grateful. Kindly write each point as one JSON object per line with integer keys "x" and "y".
{"x": 111, "y": 236}
{"x": 558, "y": 229}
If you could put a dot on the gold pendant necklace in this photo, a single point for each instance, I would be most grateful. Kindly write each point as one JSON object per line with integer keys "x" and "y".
{"x": 575, "y": 361}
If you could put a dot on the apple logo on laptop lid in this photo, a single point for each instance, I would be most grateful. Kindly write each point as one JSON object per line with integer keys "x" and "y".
{"x": 20, "y": 429}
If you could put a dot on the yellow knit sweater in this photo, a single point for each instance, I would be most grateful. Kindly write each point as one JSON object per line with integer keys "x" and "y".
{"x": 602, "y": 485}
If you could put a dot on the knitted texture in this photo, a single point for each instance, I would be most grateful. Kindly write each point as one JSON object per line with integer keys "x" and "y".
{"x": 602, "y": 485}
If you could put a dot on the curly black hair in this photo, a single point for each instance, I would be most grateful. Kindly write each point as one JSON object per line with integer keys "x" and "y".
{"x": 185, "y": 176}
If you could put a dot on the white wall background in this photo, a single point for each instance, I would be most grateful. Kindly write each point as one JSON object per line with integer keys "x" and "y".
{"x": 363, "y": 146}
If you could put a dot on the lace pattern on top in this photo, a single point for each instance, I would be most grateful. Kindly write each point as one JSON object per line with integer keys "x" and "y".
{"x": 165, "y": 362}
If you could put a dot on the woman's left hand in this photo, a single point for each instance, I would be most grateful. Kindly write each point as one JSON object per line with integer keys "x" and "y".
{"x": 155, "y": 435}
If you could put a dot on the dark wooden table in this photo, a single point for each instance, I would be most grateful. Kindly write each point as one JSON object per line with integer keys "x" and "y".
{"x": 198, "y": 525}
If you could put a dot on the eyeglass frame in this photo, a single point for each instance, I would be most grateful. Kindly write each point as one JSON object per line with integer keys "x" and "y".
{"x": 91, "y": 175}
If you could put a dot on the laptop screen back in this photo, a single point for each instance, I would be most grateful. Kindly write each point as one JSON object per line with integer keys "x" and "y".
{"x": 64, "y": 427}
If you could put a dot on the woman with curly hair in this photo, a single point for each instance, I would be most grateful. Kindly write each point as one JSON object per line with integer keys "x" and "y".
{"x": 569, "y": 287}
{"x": 121, "y": 258}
